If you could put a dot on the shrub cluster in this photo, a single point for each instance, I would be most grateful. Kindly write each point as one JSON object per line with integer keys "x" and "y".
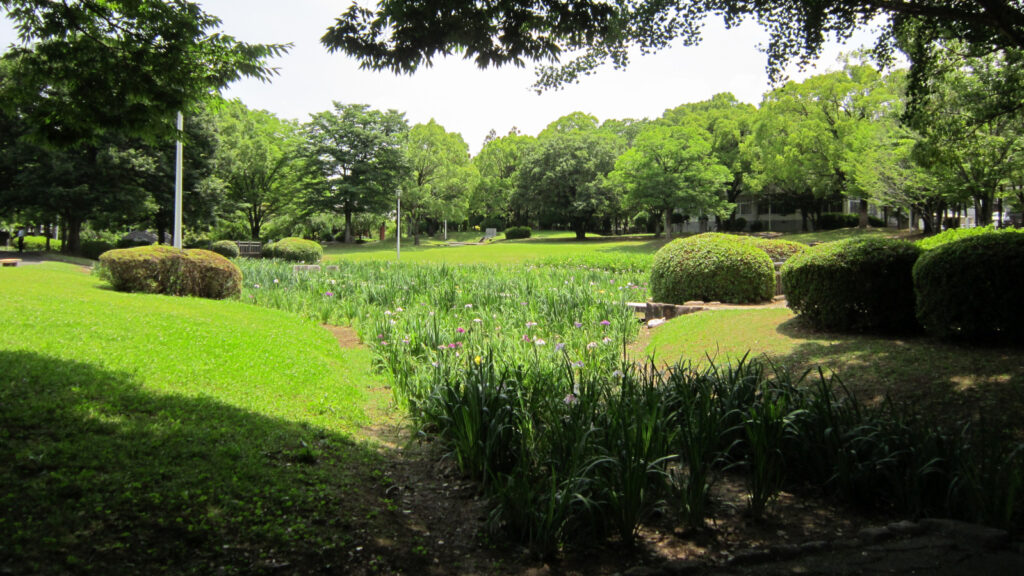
{"x": 37, "y": 243}
{"x": 836, "y": 220}
{"x": 855, "y": 284}
{"x": 711, "y": 267}
{"x": 517, "y": 232}
{"x": 970, "y": 288}
{"x": 738, "y": 224}
{"x": 954, "y": 234}
{"x": 93, "y": 248}
{"x": 294, "y": 250}
{"x": 226, "y": 248}
{"x": 164, "y": 270}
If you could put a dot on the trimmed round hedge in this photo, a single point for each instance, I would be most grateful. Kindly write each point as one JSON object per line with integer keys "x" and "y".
{"x": 711, "y": 267}
{"x": 226, "y": 248}
{"x": 855, "y": 284}
{"x": 971, "y": 288}
{"x": 161, "y": 269}
{"x": 294, "y": 250}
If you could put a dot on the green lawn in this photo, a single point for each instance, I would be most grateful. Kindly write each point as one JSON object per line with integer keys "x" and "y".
{"x": 547, "y": 245}
{"x": 144, "y": 433}
{"x": 938, "y": 379}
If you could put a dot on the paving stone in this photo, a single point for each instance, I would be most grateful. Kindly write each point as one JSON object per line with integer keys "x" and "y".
{"x": 966, "y": 533}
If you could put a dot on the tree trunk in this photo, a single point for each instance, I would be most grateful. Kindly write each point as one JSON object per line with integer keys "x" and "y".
{"x": 348, "y": 226}
{"x": 984, "y": 212}
{"x": 580, "y": 227}
{"x": 862, "y": 212}
{"x": 668, "y": 224}
{"x": 73, "y": 239}
{"x": 803, "y": 219}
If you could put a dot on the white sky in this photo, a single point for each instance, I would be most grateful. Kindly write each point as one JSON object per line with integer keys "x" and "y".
{"x": 465, "y": 99}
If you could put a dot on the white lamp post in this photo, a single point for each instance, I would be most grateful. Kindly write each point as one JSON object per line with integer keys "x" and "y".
{"x": 398, "y": 230}
{"x": 178, "y": 184}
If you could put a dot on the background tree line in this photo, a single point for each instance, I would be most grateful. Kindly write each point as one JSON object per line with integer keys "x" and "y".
{"x": 810, "y": 144}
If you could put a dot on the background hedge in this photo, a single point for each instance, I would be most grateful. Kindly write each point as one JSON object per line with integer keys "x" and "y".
{"x": 226, "y": 248}
{"x": 517, "y": 232}
{"x": 711, "y": 267}
{"x": 971, "y": 288}
{"x": 777, "y": 250}
{"x": 294, "y": 250}
{"x": 954, "y": 234}
{"x": 855, "y": 284}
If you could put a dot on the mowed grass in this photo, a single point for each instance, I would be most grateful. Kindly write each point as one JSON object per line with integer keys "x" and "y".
{"x": 845, "y": 233}
{"x": 940, "y": 381}
{"x": 546, "y": 246}
{"x": 144, "y": 434}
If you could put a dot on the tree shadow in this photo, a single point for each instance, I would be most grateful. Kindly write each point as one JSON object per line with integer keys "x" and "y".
{"x": 103, "y": 476}
{"x": 944, "y": 382}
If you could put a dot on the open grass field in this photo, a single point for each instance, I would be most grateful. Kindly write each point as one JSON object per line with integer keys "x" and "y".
{"x": 142, "y": 433}
{"x": 942, "y": 381}
{"x": 544, "y": 246}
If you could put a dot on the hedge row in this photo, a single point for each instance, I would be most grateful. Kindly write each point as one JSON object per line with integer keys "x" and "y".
{"x": 165, "y": 270}
{"x": 517, "y": 232}
{"x": 967, "y": 288}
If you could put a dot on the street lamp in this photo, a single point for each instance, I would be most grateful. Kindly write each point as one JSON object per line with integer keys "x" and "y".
{"x": 398, "y": 230}
{"x": 178, "y": 184}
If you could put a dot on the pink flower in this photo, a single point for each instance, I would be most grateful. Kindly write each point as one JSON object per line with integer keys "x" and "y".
{"x": 605, "y": 323}
{"x": 460, "y": 330}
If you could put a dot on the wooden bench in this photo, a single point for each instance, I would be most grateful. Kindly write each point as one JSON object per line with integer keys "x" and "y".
{"x": 13, "y": 262}
{"x": 250, "y": 249}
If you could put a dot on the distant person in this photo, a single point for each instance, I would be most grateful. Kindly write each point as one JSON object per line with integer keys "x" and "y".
{"x": 21, "y": 239}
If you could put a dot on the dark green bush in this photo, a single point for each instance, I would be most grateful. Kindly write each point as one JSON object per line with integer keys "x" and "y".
{"x": 971, "y": 288}
{"x": 711, "y": 267}
{"x": 517, "y": 232}
{"x": 226, "y": 248}
{"x": 856, "y": 284}
{"x": 93, "y": 248}
{"x": 294, "y": 250}
{"x": 164, "y": 270}
{"x": 954, "y": 234}
{"x": 738, "y": 224}
{"x": 492, "y": 221}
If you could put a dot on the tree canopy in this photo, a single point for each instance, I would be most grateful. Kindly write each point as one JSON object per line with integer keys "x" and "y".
{"x": 91, "y": 67}
{"x": 402, "y": 35}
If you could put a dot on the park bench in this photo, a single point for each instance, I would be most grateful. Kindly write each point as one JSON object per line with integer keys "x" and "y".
{"x": 10, "y": 262}
{"x": 250, "y": 249}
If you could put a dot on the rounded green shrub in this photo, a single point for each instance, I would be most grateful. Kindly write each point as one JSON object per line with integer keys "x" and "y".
{"x": 855, "y": 284}
{"x": 38, "y": 243}
{"x": 226, "y": 248}
{"x": 517, "y": 232}
{"x": 954, "y": 234}
{"x": 160, "y": 269}
{"x": 93, "y": 248}
{"x": 971, "y": 288}
{"x": 208, "y": 274}
{"x": 294, "y": 250}
{"x": 711, "y": 267}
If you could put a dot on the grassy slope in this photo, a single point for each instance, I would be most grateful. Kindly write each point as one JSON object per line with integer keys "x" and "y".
{"x": 843, "y": 233}
{"x": 940, "y": 379}
{"x": 148, "y": 431}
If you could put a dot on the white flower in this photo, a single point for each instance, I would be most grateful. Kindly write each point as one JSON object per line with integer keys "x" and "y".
{"x": 540, "y": 342}
{"x": 275, "y": 280}
{"x": 469, "y": 305}
{"x": 256, "y": 286}
{"x": 399, "y": 310}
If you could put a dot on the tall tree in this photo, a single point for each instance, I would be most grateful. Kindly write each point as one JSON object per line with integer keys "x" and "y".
{"x": 497, "y": 163}
{"x": 674, "y": 167}
{"x": 439, "y": 181}
{"x": 91, "y": 67}
{"x": 356, "y": 153}
{"x": 258, "y": 160}
{"x": 730, "y": 125}
{"x": 562, "y": 175}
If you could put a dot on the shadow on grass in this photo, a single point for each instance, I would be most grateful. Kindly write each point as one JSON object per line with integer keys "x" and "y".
{"x": 942, "y": 381}
{"x": 102, "y": 476}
